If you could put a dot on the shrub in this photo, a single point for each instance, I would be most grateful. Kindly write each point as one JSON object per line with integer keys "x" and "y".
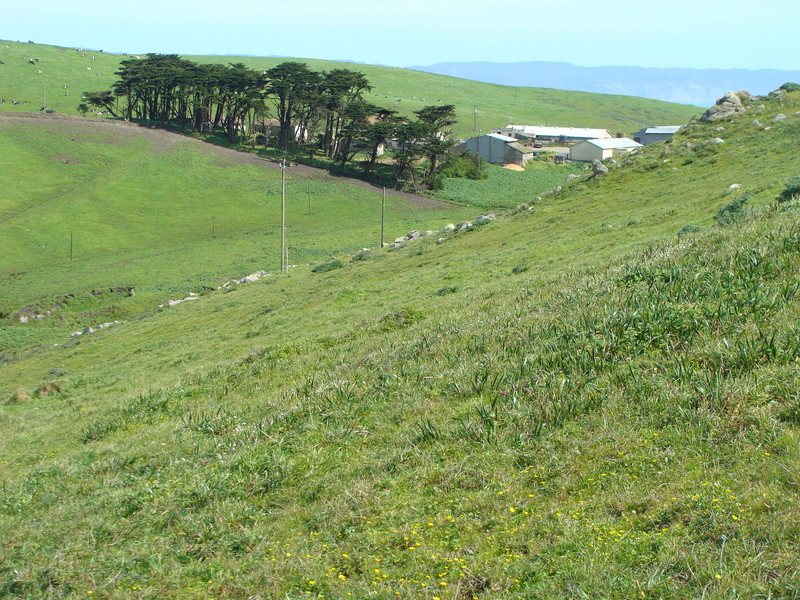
{"x": 790, "y": 87}
{"x": 328, "y": 266}
{"x": 467, "y": 166}
{"x": 733, "y": 211}
{"x": 791, "y": 191}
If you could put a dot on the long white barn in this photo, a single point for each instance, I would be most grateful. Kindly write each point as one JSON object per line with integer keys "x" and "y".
{"x": 561, "y": 135}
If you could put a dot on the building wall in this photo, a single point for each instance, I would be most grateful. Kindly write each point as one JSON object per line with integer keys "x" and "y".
{"x": 488, "y": 148}
{"x": 652, "y": 138}
{"x": 514, "y": 157}
{"x": 586, "y": 152}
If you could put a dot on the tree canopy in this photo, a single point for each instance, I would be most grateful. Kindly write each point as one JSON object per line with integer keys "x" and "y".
{"x": 310, "y": 110}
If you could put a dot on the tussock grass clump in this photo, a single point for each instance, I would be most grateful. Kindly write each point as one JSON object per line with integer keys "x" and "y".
{"x": 18, "y": 397}
{"x": 398, "y": 319}
{"x": 734, "y": 211}
{"x": 792, "y": 190}
{"x": 688, "y": 230}
{"x": 48, "y": 388}
{"x": 328, "y": 266}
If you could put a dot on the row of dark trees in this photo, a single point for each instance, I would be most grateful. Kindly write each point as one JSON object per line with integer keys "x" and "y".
{"x": 313, "y": 111}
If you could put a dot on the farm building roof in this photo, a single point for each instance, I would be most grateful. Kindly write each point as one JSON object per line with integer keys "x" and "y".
{"x": 502, "y": 138}
{"x": 611, "y": 143}
{"x": 567, "y": 132}
{"x": 670, "y": 129}
{"x": 520, "y": 148}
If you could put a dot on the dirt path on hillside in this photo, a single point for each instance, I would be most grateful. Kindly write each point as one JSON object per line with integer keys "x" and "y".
{"x": 161, "y": 140}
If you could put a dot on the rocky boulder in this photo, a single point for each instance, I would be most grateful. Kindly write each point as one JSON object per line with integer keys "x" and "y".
{"x": 598, "y": 168}
{"x": 726, "y": 107}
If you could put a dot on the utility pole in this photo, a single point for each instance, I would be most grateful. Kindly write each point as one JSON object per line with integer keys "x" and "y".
{"x": 284, "y": 265}
{"x": 383, "y": 212}
{"x": 214, "y": 227}
{"x": 44, "y": 97}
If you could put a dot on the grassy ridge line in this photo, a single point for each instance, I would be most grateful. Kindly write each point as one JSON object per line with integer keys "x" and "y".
{"x": 495, "y": 104}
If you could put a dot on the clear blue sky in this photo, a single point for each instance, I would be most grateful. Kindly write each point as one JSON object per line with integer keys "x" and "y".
{"x": 667, "y": 33}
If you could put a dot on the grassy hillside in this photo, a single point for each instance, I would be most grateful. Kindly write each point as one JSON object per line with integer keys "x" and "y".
{"x": 165, "y": 215}
{"x": 495, "y": 104}
{"x": 571, "y": 401}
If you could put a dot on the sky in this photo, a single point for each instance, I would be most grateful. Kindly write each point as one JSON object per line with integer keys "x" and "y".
{"x": 648, "y": 33}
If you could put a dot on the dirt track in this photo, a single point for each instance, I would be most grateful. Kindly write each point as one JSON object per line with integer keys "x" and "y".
{"x": 161, "y": 140}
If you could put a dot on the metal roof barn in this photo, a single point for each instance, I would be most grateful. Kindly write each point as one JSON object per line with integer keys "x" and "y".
{"x": 601, "y": 149}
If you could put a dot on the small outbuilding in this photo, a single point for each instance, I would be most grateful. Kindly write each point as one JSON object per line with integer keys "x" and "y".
{"x": 601, "y": 149}
{"x": 650, "y": 135}
{"x": 517, "y": 154}
{"x": 497, "y": 149}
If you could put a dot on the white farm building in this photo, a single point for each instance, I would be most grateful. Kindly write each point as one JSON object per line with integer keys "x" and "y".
{"x": 601, "y": 149}
{"x": 557, "y": 135}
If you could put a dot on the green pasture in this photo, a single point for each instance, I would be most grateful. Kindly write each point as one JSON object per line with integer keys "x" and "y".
{"x": 401, "y": 89}
{"x": 166, "y": 217}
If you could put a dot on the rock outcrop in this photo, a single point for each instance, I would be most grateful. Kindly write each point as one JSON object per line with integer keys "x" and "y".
{"x": 730, "y": 105}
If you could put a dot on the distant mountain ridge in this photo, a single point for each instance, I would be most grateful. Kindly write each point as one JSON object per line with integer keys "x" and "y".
{"x": 700, "y": 87}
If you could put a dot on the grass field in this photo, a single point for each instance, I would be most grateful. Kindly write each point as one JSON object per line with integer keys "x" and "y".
{"x": 166, "y": 215}
{"x": 570, "y": 401}
{"x": 414, "y": 89}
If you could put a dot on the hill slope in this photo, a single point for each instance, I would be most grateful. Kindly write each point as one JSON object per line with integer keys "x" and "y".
{"x": 567, "y": 401}
{"x": 90, "y": 206}
{"x": 400, "y": 89}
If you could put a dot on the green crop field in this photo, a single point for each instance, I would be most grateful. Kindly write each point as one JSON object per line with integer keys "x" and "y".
{"x": 592, "y": 396}
{"x": 505, "y": 188}
{"x": 401, "y": 89}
